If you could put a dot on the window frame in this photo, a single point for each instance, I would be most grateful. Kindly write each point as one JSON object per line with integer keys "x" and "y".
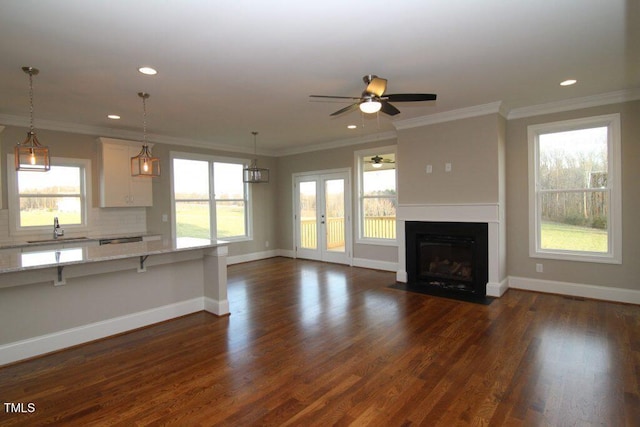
{"x": 13, "y": 198}
{"x": 212, "y": 198}
{"x": 613, "y": 189}
{"x": 359, "y": 157}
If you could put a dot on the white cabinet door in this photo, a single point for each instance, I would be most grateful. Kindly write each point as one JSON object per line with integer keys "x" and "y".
{"x": 117, "y": 187}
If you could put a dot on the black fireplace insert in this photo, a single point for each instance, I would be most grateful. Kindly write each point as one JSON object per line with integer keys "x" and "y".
{"x": 448, "y": 258}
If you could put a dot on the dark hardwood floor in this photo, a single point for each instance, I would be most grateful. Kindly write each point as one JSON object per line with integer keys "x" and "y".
{"x": 310, "y": 343}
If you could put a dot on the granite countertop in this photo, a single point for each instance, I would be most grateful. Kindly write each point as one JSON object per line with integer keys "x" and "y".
{"x": 46, "y": 258}
{"x": 71, "y": 239}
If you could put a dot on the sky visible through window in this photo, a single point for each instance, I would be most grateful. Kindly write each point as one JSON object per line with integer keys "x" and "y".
{"x": 59, "y": 176}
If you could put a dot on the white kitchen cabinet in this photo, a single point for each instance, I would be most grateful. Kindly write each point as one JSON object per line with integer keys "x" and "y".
{"x": 117, "y": 187}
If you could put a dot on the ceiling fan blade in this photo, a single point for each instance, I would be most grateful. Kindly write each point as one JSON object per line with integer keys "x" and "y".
{"x": 345, "y": 109}
{"x": 377, "y": 86}
{"x": 335, "y": 97}
{"x": 388, "y": 108}
{"x": 411, "y": 97}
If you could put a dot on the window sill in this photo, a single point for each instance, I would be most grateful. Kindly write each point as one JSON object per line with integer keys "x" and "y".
{"x": 236, "y": 239}
{"x": 571, "y": 256}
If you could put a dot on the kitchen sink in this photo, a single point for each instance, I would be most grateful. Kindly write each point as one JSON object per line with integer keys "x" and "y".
{"x": 59, "y": 239}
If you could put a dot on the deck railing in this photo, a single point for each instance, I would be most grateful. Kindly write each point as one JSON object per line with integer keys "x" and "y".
{"x": 374, "y": 227}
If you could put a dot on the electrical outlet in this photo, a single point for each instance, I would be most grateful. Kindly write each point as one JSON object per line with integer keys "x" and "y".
{"x": 429, "y": 169}
{"x": 165, "y": 218}
{"x": 447, "y": 167}
{"x": 266, "y": 244}
{"x": 539, "y": 268}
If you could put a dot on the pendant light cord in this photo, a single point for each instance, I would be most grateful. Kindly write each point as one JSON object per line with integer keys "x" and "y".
{"x": 255, "y": 146}
{"x": 31, "y": 99}
{"x": 144, "y": 120}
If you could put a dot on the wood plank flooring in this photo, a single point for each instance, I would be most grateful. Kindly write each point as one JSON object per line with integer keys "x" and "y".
{"x": 311, "y": 343}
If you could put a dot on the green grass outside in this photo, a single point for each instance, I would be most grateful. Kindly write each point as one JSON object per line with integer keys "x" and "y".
{"x": 193, "y": 221}
{"x": 573, "y": 238}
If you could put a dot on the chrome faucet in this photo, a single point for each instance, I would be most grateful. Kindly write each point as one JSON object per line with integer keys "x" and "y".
{"x": 57, "y": 231}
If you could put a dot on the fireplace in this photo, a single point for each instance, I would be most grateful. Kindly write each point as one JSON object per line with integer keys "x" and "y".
{"x": 448, "y": 258}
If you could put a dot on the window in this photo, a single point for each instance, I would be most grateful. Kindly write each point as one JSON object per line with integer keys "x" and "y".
{"x": 209, "y": 194}
{"x": 575, "y": 202}
{"x": 377, "y": 196}
{"x": 191, "y": 198}
{"x": 36, "y": 198}
{"x": 229, "y": 190}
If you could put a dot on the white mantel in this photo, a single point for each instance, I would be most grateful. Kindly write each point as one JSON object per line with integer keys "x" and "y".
{"x": 490, "y": 213}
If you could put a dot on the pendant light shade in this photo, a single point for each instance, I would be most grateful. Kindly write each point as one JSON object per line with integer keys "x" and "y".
{"x": 30, "y": 155}
{"x": 253, "y": 174}
{"x": 144, "y": 164}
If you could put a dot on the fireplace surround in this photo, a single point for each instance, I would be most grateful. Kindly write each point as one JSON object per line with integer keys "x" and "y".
{"x": 448, "y": 258}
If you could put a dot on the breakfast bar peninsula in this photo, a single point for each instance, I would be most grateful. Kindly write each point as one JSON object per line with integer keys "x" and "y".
{"x": 56, "y": 298}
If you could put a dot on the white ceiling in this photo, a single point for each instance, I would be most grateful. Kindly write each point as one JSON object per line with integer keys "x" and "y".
{"x": 227, "y": 68}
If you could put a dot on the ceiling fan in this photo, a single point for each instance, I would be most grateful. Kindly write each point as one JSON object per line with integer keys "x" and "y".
{"x": 377, "y": 161}
{"x": 373, "y": 99}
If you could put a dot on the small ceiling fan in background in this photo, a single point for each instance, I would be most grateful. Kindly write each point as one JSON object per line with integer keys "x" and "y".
{"x": 377, "y": 161}
{"x": 373, "y": 98}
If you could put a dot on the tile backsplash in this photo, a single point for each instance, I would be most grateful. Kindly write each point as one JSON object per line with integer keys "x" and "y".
{"x": 102, "y": 222}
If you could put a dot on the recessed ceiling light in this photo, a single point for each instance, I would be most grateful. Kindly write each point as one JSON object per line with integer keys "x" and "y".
{"x": 113, "y": 116}
{"x": 352, "y": 127}
{"x": 148, "y": 71}
{"x": 568, "y": 82}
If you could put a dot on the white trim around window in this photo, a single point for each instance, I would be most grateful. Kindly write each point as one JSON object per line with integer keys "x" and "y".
{"x": 211, "y": 159}
{"x": 14, "y": 204}
{"x": 613, "y": 190}
{"x": 359, "y": 157}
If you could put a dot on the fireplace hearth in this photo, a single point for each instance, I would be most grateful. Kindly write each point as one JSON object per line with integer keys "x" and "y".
{"x": 447, "y": 259}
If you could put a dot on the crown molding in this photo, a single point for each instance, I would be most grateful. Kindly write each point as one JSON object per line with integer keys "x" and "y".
{"x": 497, "y": 107}
{"x": 575, "y": 103}
{"x": 448, "y": 116}
{"x": 383, "y": 136}
{"x": 126, "y": 134}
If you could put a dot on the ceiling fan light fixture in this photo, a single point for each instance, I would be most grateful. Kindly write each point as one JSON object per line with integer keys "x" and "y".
{"x": 30, "y": 155}
{"x": 370, "y": 106}
{"x": 376, "y": 162}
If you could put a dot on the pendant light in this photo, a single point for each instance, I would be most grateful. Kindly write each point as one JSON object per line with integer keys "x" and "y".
{"x": 253, "y": 174}
{"x": 30, "y": 155}
{"x": 144, "y": 164}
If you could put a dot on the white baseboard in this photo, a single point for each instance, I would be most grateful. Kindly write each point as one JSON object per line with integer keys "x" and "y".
{"x": 43, "y": 344}
{"x": 287, "y": 253}
{"x": 497, "y": 289}
{"x": 630, "y": 296}
{"x": 374, "y": 264}
{"x": 219, "y": 308}
{"x": 402, "y": 276}
{"x": 255, "y": 256}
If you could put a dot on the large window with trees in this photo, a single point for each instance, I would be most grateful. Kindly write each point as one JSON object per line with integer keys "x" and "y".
{"x": 377, "y": 195}
{"x": 575, "y": 189}
{"x": 209, "y": 197}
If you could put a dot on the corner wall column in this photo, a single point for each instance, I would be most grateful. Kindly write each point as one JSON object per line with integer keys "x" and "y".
{"x": 214, "y": 266}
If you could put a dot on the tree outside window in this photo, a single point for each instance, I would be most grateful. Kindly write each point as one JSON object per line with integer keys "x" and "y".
{"x": 576, "y": 188}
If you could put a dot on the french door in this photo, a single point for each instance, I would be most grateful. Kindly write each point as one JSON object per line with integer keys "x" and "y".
{"x": 322, "y": 216}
